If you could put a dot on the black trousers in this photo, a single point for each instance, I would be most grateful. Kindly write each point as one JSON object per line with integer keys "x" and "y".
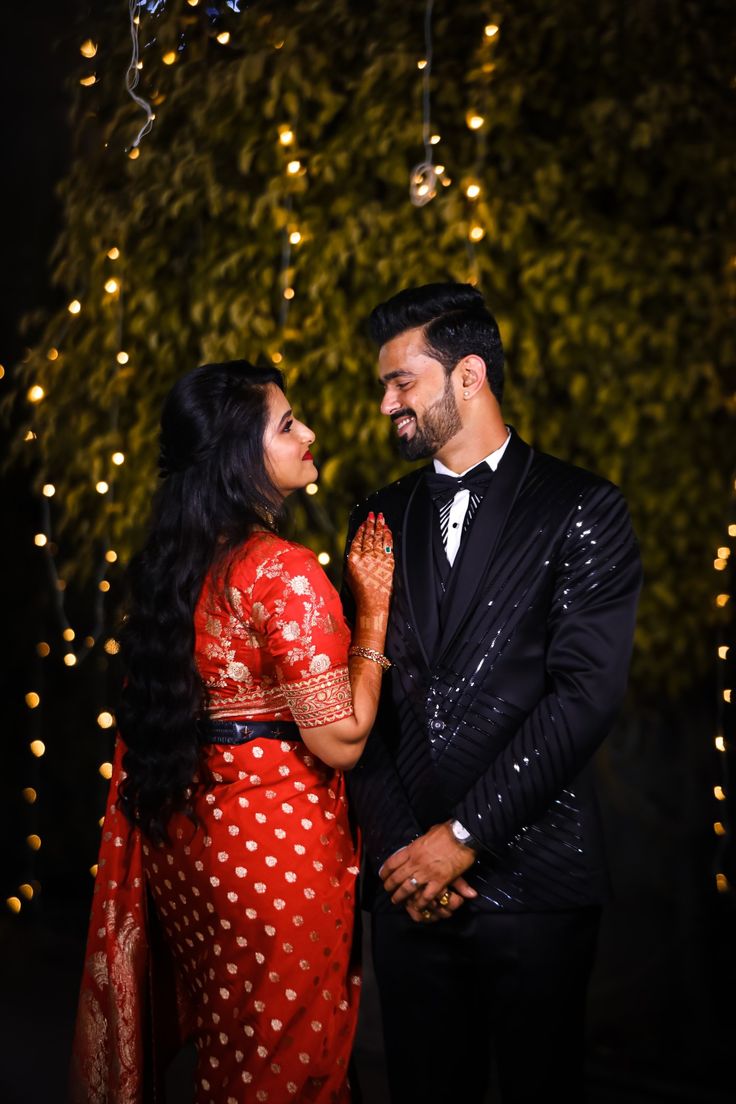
{"x": 482, "y": 989}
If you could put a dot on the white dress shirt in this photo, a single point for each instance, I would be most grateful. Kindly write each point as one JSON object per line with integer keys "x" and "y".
{"x": 452, "y": 532}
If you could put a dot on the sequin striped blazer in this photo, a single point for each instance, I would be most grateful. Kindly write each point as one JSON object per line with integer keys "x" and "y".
{"x": 502, "y": 691}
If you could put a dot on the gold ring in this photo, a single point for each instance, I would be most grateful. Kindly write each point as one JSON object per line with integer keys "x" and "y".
{"x": 444, "y": 899}
{"x": 426, "y": 914}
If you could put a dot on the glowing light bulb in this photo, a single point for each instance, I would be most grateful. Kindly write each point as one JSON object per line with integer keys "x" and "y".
{"x": 732, "y": 530}
{"x": 439, "y": 169}
{"x": 36, "y": 393}
{"x": 118, "y": 458}
{"x": 477, "y": 233}
{"x": 295, "y": 237}
{"x": 13, "y": 904}
{"x": 723, "y": 651}
{"x": 134, "y": 153}
{"x": 89, "y": 642}
{"x": 720, "y": 565}
{"x": 53, "y": 354}
{"x": 111, "y": 556}
{"x": 88, "y": 81}
{"x": 719, "y": 829}
{"x": 32, "y": 699}
{"x": 718, "y": 793}
{"x": 721, "y": 883}
{"x": 42, "y": 649}
{"x": 30, "y": 436}
{"x": 29, "y": 795}
{"x": 223, "y": 38}
{"x": 293, "y": 167}
{"x": 435, "y": 139}
{"x": 113, "y": 253}
{"x": 720, "y": 743}
{"x": 727, "y": 696}
{"x": 38, "y": 748}
{"x": 33, "y": 841}
{"x": 111, "y": 646}
{"x": 490, "y": 30}
{"x": 311, "y": 488}
{"x": 102, "y": 487}
{"x": 323, "y": 558}
{"x": 111, "y": 285}
{"x": 122, "y": 357}
{"x": 74, "y": 307}
{"x": 26, "y": 890}
{"x": 422, "y": 63}
{"x": 474, "y": 121}
{"x": 288, "y": 293}
{"x": 68, "y": 634}
{"x": 93, "y": 870}
{"x": 105, "y": 770}
{"x": 722, "y": 599}
{"x": 286, "y": 135}
{"x": 88, "y": 48}
{"x": 192, "y": 3}
{"x": 472, "y": 191}
{"x": 70, "y": 660}
{"x": 276, "y": 358}
{"x": 104, "y": 586}
{"x": 105, "y": 720}
{"x": 40, "y": 540}
{"x": 48, "y": 490}
{"x": 169, "y": 57}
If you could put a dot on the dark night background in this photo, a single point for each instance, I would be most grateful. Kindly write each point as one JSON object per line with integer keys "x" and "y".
{"x": 662, "y": 1006}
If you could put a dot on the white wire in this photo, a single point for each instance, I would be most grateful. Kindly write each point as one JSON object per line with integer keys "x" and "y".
{"x": 133, "y": 74}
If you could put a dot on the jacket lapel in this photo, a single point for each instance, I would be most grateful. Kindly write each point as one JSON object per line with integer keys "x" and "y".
{"x": 417, "y": 556}
{"x": 479, "y": 545}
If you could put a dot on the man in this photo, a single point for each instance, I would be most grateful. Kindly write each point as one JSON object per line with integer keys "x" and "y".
{"x": 515, "y": 592}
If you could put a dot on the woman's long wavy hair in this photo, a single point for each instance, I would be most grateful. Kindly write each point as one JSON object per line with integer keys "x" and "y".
{"x": 215, "y": 490}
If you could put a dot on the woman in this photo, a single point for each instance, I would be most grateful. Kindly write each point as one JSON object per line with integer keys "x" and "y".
{"x": 227, "y": 869}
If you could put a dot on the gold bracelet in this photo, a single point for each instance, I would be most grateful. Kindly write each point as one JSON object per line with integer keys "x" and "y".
{"x": 370, "y": 653}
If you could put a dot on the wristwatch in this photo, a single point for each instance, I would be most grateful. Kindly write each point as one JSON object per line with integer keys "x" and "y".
{"x": 463, "y": 836}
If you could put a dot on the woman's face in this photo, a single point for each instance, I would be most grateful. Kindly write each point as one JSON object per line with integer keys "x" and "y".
{"x": 286, "y": 444}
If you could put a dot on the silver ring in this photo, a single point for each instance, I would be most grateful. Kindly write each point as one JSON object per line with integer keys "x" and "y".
{"x": 413, "y": 881}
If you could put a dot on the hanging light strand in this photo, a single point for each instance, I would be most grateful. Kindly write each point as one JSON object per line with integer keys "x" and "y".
{"x": 132, "y": 76}
{"x": 423, "y": 179}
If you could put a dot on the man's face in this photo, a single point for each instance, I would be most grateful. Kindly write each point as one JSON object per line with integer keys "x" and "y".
{"x": 419, "y": 396}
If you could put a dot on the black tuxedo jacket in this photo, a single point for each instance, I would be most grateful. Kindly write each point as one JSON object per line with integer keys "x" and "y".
{"x": 501, "y": 692}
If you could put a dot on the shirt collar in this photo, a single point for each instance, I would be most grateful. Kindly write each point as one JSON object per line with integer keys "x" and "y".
{"x": 492, "y": 460}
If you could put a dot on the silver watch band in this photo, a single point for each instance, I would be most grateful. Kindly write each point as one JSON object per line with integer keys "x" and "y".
{"x": 462, "y": 835}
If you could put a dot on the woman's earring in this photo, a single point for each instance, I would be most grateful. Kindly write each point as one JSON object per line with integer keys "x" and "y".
{"x": 466, "y": 394}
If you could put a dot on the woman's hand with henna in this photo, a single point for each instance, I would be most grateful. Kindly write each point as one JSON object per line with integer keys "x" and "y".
{"x": 369, "y": 575}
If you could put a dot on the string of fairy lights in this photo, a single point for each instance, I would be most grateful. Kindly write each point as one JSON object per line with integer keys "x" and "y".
{"x": 725, "y": 704}
{"x": 424, "y": 179}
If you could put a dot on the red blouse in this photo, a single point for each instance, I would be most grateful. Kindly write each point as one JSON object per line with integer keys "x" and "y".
{"x": 272, "y": 643}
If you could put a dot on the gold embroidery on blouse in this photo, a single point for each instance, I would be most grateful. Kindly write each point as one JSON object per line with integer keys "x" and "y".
{"x": 320, "y": 699}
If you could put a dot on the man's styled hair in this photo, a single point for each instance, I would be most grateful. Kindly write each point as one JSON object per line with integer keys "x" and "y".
{"x": 456, "y": 322}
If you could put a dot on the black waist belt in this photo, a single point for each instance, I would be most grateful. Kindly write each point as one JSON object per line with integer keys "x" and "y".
{"x": 242, "y": 732}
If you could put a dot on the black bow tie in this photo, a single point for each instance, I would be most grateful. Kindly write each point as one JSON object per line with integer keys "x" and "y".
{"x": 443, "y": 488}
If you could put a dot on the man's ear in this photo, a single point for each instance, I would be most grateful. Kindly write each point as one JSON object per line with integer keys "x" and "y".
{"x": 472, "y": 374}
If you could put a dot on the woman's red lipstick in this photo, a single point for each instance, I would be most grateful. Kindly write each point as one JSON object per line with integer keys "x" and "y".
{"x": 307, "y": 455}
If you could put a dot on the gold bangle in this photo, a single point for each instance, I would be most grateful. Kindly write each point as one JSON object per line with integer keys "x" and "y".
{"x": 370, "y": 653}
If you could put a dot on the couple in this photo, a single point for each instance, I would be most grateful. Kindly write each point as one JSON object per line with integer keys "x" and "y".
{"x": 226, "y": 890}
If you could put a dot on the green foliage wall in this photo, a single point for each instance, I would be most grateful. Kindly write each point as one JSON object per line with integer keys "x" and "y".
{"x": 606, "y": 165}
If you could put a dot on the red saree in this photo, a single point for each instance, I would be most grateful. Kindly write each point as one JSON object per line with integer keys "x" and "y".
{"x": 239, "y": 933}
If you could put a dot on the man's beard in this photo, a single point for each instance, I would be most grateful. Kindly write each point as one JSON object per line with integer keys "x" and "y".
{"x": 439, "y": 423}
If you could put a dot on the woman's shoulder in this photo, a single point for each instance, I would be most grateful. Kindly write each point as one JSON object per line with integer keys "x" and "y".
{"x": 268, "y": 554}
